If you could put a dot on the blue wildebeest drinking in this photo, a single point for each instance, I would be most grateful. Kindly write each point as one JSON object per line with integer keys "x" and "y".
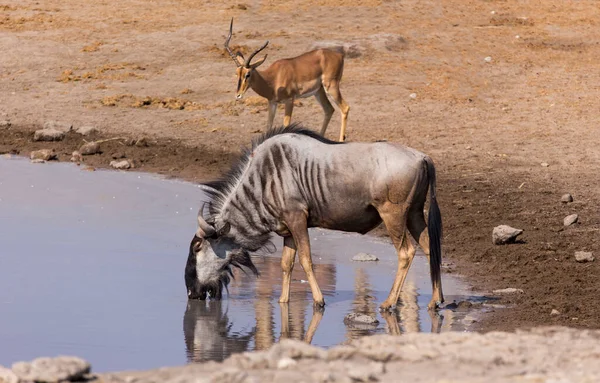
{"x": 292, "y": 179}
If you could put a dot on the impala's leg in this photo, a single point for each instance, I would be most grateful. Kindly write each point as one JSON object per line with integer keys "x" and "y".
{"x": 297, "y": 226}
{"x": 313, "y": 325}
{"x": 287, "y": 265}
{"x": 394, "y": 217}
{"x": 285, "y": 320}
{"x": 272, "y": 110}
{"x": 321, "y": 97}
{"x": 289, "y": 108}
{"x": 418, "y": 229}
{"x": 333, "y": 89}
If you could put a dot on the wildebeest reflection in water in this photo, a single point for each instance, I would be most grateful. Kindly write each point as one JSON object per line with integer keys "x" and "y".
{"x": 207, "y": 328}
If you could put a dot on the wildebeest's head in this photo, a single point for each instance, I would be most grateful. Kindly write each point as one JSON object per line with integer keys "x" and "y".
{"x": 211, "y": 258}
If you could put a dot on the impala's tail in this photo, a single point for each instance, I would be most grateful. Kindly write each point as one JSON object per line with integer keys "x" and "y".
{"x": 434, "y": 229}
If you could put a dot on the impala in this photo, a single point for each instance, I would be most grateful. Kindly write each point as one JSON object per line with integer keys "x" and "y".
{"x": 316, "y": 73}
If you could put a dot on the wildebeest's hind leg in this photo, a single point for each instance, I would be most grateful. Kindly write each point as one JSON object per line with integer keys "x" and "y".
{"x": 394, "y": 217}
{"x": 287, "y": 265}
{"x": 296, "y": 223}
{"x": 418, "y": 229}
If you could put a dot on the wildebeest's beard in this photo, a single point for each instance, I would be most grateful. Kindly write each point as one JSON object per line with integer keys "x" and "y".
{"x": 208, "y": 274}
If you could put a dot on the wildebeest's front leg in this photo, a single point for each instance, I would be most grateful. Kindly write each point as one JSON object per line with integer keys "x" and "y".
{"x": 296, "y": 224}
{"x": 287, "y": 265}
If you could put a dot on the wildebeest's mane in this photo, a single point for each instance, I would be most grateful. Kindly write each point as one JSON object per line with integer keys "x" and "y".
{"x": 222, "y": 186}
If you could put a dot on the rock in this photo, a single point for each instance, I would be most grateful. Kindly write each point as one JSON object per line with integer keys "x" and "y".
{"x": 285, "y": 363}
{"x": 412, "y": 95}
{"x": 38, "y": 161}
{"x": 545, "y": 164}
{"x": 90, "y": 148}
{"x": 504, "y": 234}
{"x": 566, "y": 198}
{"x": 364, "y": 257}
{"x": 488, "y": 59}
{"x": 87, "y": 130}
{"x": 360, "y": 318}
{"x": 142, "y": 142}
{"x": 555, "y": 312}
{"x": 48, "y": 135}
{"x": 584, "y": 256}
{"x": 7, "y": 376}
{"x": 56, "y": 369}
{"x": 463, "y": 305}
{"x": 57, "y": 125}
{"x": 130, "y": 142}
{"x": 509, "y": 290}
{"x": 76, "y": 157}
{"x": 123, "y": 164}
{"x": 570, "y": 219}
{"x": 5, "y": 124}
{"x": 43, "y": 154}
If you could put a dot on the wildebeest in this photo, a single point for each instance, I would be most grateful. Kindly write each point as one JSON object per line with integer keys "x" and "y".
{"x": 292, "y": 179}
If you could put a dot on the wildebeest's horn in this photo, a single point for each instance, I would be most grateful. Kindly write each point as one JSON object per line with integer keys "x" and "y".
{"x": 204, "y": 229}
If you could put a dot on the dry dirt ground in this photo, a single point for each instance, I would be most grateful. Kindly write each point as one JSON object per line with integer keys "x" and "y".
{"x": 489, "y": 89}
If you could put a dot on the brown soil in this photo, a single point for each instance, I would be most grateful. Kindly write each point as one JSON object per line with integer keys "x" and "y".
{"x": 158, "y": 71}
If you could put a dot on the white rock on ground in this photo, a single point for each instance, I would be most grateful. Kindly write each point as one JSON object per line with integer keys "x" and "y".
{"x": 76, "y": 157}
{"x": 584, "y": 256}
{"x": 364, "y": 257}
{"x": 5, "y": 124}
{"x": 504, "y": 234}
{"x": 123, "y": 164}
{"x": 566, "y": 198}
{"x": 89, "y": 148}
{"x": 570, "y": 219}
{"x": 48, "y": 135}
{"x": 508, "y": 290}
{"x": 555, "y": 312}
{"x": 87, "y": 130}
{"x": 43, "y": 154}
{"x": 360, "y": 318}
{"x": 56, "y": 369}
{"x": 57, "y": 125}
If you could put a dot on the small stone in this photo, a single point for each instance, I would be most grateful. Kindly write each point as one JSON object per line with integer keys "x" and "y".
{"x": 142, "y": 142}
{"x": 7, "y": 376}
{"x": 570, "y": 219}
{"x": 555, "y": 312}
{"x": 87, "y": 130}
{"x": 130, "y": 142}
{"x": 5, "y": 124}
{"x": 90, "y": 148}
{"x": 43, "y": 154}
{"x": 364, "y": 257}
{"x": 48, "y": 135}
{"x": 504, "y": 234}
{"x": 285, "y": 363}
{"x": 360, "y": 318}
{"x": 463, "y": 305}
{"x": 56, "y": 369}
{"x": 123, "y": 164}
{"x": 545, "y": 164}
{"x": 76, "y": 157}
{"x": 566, "y": 198}
{"x": 412, "y": 95}
{"x": 584, "y": 256}
{"x": 57, "y": 125}
{"x": 509, "y": 290}
{"x": 38, "y": 161}
{"x": 468, "y": 147}
{"x": 488, "y": 59}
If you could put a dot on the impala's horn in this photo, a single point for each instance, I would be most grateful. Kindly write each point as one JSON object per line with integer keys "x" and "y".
{"x": 247, "y": 63}
{"x": 233, "y": 57}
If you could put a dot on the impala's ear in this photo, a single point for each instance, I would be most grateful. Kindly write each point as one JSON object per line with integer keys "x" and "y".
{"x": 258, "y": 63}
{"x": 239, "y": 57}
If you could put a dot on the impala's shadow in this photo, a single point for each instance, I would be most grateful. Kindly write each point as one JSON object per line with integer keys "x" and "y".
{"x": 207, "y": 332}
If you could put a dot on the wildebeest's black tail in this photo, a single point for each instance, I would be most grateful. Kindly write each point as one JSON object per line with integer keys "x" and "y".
{"x": 434, "y": 228}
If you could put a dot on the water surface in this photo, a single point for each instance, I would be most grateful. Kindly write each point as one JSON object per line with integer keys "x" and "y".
{"x": 91, "y": 264}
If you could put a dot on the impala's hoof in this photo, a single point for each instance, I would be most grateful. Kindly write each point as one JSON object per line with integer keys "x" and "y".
{"x": 387, "y": 307}
{"x": 319, "y": 304}
{"x": 434, "y": 305}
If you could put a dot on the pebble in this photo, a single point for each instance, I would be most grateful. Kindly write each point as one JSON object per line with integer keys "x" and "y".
{"x": 142, "y": 142}
{"x": 360, "y": 318}
{"x": 555, "y": 312}
{"x": 488, "y": 59}
{"x": 364, "y": 257}
{"x": 566, "y": 198}
{"x": 545, "y": 164}
{"x": 508, "y": 290}
{"x": 48, "y": 135}
{"x": 43, "y": 154}
{"x": 5, "y": 124}
{"x": 57, "y": 125}
{"x": 87, "y": 130}
{"x": 412, "y": 95}
{"x": 123, "y": 164}
{"x": 285, "y": 363}
{"x": 584, "y": 256}
{"x": 76, "y": 157}
{"x": 570, "y": 219}
{"x": 61, "y": 368}
{"x": 90, "y": 148}
{"x": 504, "y": 234}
